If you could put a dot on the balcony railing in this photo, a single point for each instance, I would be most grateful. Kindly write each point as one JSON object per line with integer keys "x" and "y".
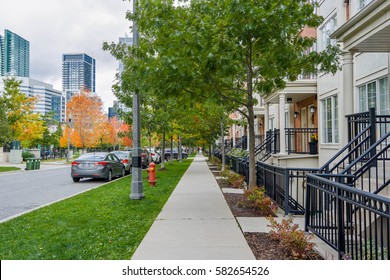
{"x": 298, "y": 140}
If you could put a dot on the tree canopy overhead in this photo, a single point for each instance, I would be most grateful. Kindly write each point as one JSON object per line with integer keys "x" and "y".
{"x": 224, "y": 51}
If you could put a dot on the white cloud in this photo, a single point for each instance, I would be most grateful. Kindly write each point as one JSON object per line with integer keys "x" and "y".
{"x": 55, "y": 27}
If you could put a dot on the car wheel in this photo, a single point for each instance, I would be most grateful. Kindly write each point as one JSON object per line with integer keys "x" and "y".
{"x": 109, "y": 176}
{"x": 123, "y": 172}
{"x": 76, "y": 180}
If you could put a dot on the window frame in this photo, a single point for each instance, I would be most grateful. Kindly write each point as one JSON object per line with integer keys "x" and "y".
{"x": 330, "y": 120}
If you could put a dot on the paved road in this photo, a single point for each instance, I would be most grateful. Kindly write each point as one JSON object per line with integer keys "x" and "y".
{"x": 23, "y": 191}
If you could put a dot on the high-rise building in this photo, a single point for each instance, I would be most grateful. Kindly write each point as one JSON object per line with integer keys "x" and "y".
{"x": 49, "y": 99}
{"x": 119, "y": 107}
{"x": 14, "y": 55}
{"x": 1, "y": 56}
{"x": 78, "y": 72}
{"x": 127, "y": 41}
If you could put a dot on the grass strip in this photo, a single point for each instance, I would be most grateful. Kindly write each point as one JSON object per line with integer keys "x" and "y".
{"x": 8, "y": 168}
{"x": 101, "y": 224}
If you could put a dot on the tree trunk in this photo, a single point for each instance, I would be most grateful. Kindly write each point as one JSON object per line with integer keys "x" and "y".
{"x": 171, "y": 157}
{"x": 251, "y": 123}
{"x": 150, "y": 146}
{"x": 223, "y": 146}
{"x": 179, "y": 150}
{"x": 163, "y": 151}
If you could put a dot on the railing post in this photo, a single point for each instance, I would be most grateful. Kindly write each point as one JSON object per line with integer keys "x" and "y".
{"x": 340, "y": 222}
{"x": 286, "y": 191}
{"x": 288, "y": 140}
{"x": 307, "y": 205}
{"x": 373, "y": 129}
{"x": 274, "y": 184}
{"x": 275, "y": 141}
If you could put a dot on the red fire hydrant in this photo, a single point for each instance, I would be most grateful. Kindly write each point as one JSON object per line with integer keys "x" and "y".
{"x": 152, "y": 174}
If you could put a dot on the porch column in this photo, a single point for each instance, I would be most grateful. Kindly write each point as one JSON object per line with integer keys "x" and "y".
{"x": 347, "y": 96}
{"x": 257, "y": 131}
{"x": 266, "y": 118}
{"x": 282, "y": 122}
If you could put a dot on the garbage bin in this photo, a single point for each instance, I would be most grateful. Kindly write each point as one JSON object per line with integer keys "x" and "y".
{"x": 38, "y": 163}
{"x": 29, "y": 163}
{"x": 34, "y": 164}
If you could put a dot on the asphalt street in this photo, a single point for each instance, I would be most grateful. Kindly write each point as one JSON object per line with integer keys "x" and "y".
{"x": 23, "y": 191}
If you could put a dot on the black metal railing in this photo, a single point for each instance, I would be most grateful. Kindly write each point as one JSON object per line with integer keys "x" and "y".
{"x": 259, "y": 139}
{"x": 372, "y": 176}
{"x": 353, "y": 150}
{"x": 359, "y": 121}
{"x": 286, "y": 186}
{"x": 353, "y": 222}
{"x": 298, "y": 140}
{"x": 269, "y": 145}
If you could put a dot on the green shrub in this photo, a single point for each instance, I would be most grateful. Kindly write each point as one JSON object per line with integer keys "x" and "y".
{"x": 257, "y": 199}
{"x": 214, "y": 160}
{"x": 296, "y": 242}
{"x": 238, "y": 152}
{"x": 236, "y": 180}
{"x": 26, "y": 154}
{"x": 225, "y": 173}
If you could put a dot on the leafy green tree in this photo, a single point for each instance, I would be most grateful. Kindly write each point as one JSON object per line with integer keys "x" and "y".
{"x": 223, "y": 51}
{"x": 49, "y": 138}
{"x": 5, "y": 129}
{"x": 25, "y": 125}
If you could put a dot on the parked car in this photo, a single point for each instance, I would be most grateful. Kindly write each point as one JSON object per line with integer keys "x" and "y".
{"x": 175, "y": 154}
{"x": 126, "y": 158}
{"x": 97, "y": 165}
{"x": 156, "y": 157}
{"x": 144, "y": 158}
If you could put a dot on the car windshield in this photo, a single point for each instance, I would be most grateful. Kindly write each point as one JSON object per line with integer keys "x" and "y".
{"x": 121, "y": 155}
{"x": 91, "y": 157}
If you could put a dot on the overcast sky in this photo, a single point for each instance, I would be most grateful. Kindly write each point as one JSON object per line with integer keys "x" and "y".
{"x": 55, "y": 27}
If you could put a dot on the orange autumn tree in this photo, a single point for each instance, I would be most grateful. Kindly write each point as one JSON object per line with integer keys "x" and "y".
{"x": 125, "y": 135}
{"x": 86, "y": 112}
{"x": 105, "y": 133}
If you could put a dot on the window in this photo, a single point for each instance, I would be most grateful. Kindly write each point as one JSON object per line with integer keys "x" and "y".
{"x": 363, "y": 3}
{"x": 375, "y": 95}
{"x": 330, "y": 120}
{"x": 329, "y": 27}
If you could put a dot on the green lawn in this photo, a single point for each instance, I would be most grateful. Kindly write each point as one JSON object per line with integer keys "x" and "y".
{"x": 100, "y": 224}
{"x": 8, "y": 168}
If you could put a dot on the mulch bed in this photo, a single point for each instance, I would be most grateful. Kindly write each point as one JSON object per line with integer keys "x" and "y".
{"x": 233, "y": 199}
{"x": 262, "y": 246}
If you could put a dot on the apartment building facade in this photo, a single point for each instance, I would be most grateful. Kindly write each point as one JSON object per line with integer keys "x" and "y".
{"x": 342, "y": 187}
{"x": 50, "y": 100}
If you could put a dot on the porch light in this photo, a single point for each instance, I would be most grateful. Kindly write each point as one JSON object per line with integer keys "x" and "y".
{"x": 296, "y": 114}
{"x": 289, "y": 100}
{"x": 313, "y": 109}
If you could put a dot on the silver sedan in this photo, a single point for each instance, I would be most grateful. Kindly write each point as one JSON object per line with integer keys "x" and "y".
{"x": 97, "y": 165}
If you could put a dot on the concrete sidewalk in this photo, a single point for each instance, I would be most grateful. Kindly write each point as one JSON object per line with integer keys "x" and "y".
{"x": 195, "y": 223}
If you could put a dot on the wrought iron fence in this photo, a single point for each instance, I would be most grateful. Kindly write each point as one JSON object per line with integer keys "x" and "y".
{"x": 353, "y": 222}
{"x": 286, "y": 186}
